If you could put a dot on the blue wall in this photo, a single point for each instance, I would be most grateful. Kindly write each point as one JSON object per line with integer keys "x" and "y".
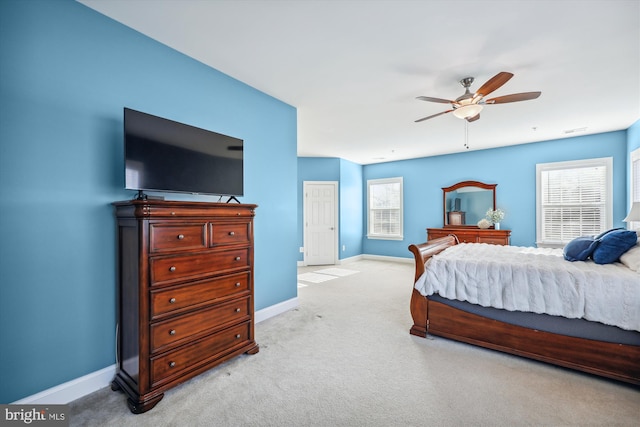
{"x": 66, "y": 74}
{"x": 512, "y": 168}
{"x": 633, "y": 136}
{"x": 352, "y": 195}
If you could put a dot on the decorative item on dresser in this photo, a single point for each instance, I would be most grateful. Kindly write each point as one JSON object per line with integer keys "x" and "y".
{"x": 471, "y": 235}
{"x": 185, "y": 293}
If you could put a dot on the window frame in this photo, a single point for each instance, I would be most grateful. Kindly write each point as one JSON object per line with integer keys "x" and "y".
{"x": 634, "y": 193}
{"x": 381, "y": 236}
{"x": 607, "y": 162}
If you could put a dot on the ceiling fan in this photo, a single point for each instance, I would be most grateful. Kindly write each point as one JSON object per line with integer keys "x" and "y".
{"x": 469, "y": 105}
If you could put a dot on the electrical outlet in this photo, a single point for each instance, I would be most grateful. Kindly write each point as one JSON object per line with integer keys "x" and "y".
{"x": 344, "y": 248}
{"x": 301, "y": 249}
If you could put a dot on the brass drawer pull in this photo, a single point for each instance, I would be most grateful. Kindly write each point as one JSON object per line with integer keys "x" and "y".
{"x": 172, "y": 301}
{"x": 172, "y": 332}
{"x": 172, "y": 268}
{"x": 172, "y": 364}
{"x": 232, "y": 233}
{"x": 180, "y": 236}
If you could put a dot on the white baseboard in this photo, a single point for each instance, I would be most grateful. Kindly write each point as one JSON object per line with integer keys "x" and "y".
{"x": 276, "y": 309}
{"x": 388, "y": 258}
{"x": 72, "y": 390}
{"x": 365, "y": 256}
{"x": 351, "y": 259}
{"x": 87, "y": 384}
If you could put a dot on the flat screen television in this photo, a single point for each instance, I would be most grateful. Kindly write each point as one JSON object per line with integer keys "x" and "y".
{"x": 167, "y": 156}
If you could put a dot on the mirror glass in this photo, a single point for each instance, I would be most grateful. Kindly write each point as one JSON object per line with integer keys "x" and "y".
{"x": 466, "y": 203}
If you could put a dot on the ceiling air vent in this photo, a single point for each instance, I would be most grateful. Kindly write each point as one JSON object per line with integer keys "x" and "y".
{"x": 568, "y": 131}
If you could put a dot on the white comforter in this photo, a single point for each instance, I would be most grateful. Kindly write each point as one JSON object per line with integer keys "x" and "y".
{"x": 535, "y": 280}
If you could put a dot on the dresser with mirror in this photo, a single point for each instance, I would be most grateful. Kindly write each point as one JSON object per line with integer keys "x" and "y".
{"x": 463, "y": 205}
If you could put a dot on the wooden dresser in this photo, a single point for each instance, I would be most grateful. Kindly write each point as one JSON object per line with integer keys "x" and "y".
{"x": 185, "y": 273}
{"x": 472, "y": 234}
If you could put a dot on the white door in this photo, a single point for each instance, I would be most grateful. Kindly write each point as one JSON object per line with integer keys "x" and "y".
{"x": 320, "y": 215}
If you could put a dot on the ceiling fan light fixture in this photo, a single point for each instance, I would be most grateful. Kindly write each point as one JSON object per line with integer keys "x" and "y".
{"x": 469, "y": 105}
{"x": 467, "y": 111}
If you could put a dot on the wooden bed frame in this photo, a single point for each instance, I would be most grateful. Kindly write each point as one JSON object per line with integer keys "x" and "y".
{"x": 611, "y": 360}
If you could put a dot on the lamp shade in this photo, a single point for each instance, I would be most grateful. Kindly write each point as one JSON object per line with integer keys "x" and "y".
{"x": 634, "y": 213}
{"x": 467, "y": 111}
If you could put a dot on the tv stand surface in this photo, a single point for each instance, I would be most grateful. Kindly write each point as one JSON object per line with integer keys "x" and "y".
{"x": 143, "y": 197}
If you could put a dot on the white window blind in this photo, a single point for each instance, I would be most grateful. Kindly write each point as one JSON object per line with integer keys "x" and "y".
{"x": 384, "y": 201}
{"x": 635, "y": 174}
{"x": 573, "y": 199}
{"x": 635, "y": 184}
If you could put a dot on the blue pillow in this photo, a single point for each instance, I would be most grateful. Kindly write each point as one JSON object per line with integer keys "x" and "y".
{"x": 613, "y": 244}
{"x": 579, "y": 249}
{"x": 604, "y": 233}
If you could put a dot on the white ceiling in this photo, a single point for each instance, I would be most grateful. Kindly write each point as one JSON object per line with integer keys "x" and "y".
{"x": 353, "y": 68}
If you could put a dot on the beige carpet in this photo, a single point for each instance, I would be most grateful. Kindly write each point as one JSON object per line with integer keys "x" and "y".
{"x": 345, "y": 358}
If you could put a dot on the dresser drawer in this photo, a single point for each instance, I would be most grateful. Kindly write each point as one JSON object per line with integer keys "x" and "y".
{"x": 229, "y": 233}
{"x": 206, "y": 349}
{"x": 471, "y": 234}
{"x": 462, "y": 237}
{"x": 170, "y": 237}
{"x": 199, "y": 293}
{"x": 494, "y": 240}
{"x": 194, "y": 210}
{"x": 171, "y": 269}
{"x": 181, "y": 328}
{"x": 436, "y": 235}
{"x": 466, "y": 238}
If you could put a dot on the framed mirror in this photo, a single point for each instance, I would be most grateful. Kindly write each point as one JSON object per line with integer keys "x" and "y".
{"x": 467, "y": 202}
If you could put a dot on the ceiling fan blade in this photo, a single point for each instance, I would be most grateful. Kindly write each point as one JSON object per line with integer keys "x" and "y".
{"x": 474, "y": 118}
{"x": 524, "y": 96}
{"x": 494, "y": 83}
{"x": 439, "y": 100}
{"x": 431, "y": 117}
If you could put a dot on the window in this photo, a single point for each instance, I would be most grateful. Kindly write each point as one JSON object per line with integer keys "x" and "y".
{"x": 635, "y": 184}
{"x": 384, "y": 208}
{"x": 573, "y": 199}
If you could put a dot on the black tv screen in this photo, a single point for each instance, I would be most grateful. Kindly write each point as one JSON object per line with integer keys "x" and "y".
{"x": 164, "y": 155}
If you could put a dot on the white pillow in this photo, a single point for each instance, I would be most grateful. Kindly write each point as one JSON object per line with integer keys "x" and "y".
{"x": 631, "y": 258}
